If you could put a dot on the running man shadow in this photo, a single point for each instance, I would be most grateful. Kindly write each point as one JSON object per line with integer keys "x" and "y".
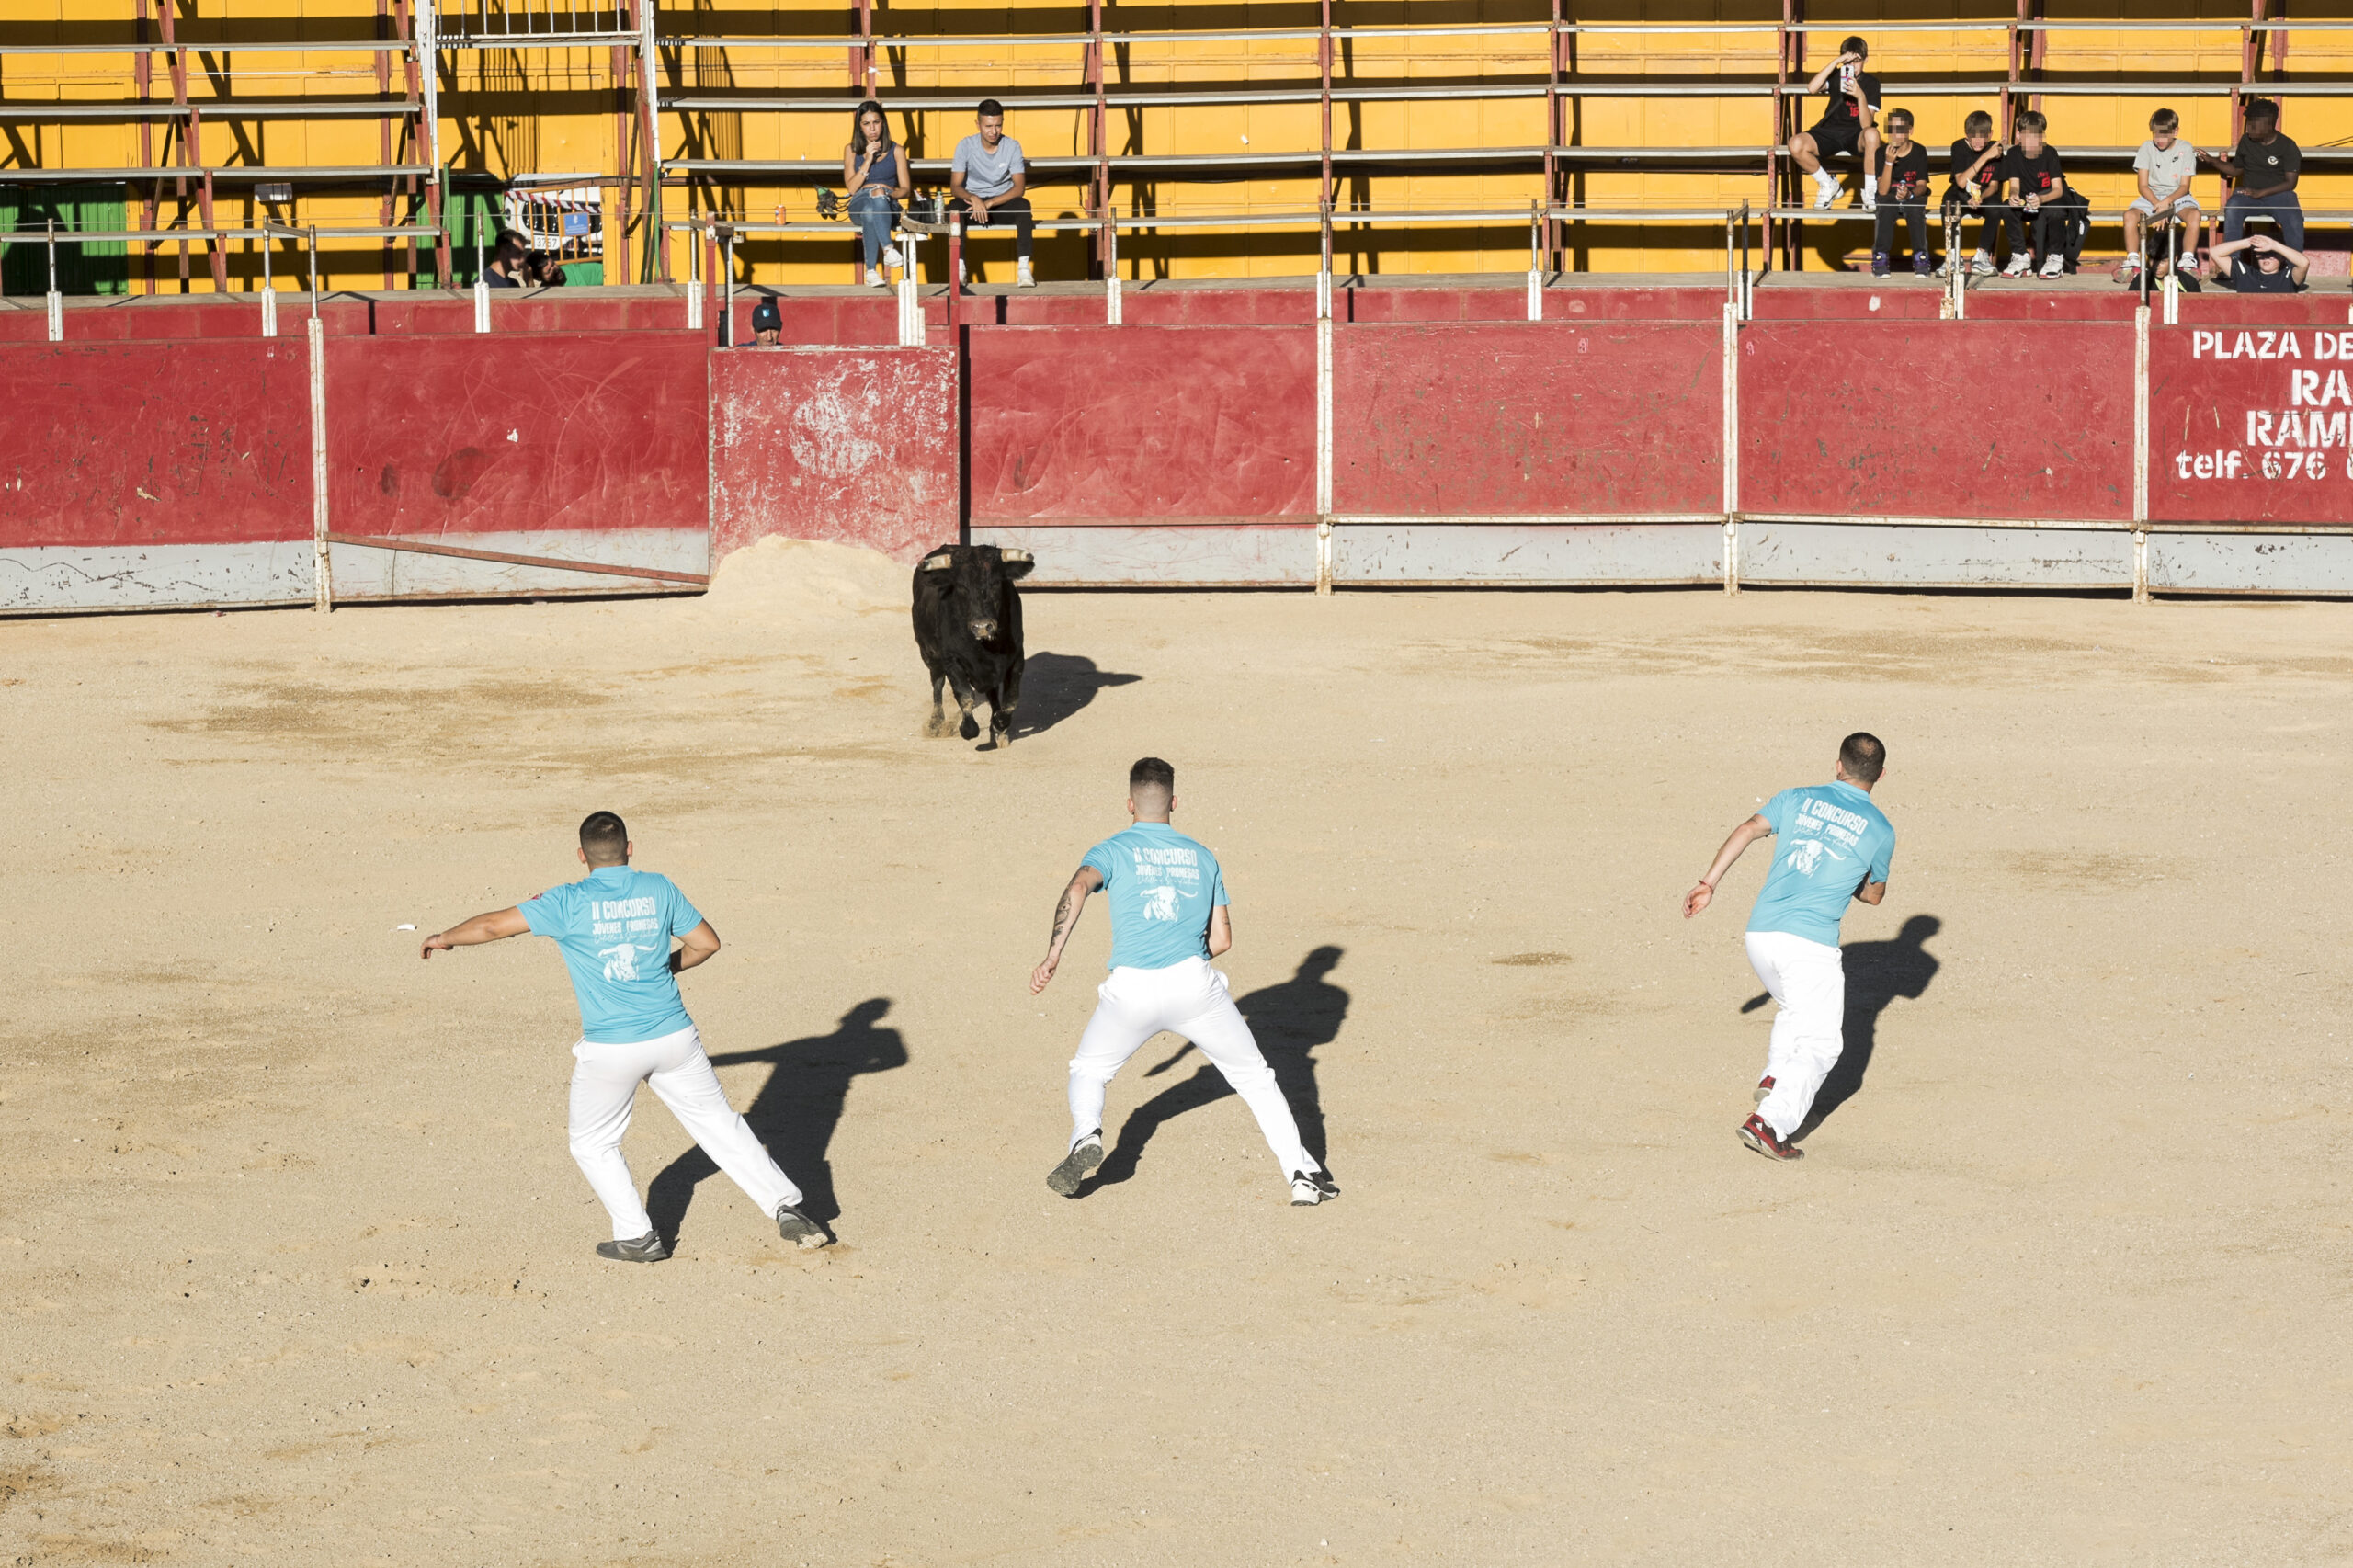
{"x": 1056, "y": 685}
{"x": 794, "y": 1113}
{"x": 1289, "y": 1020}
{"x": 1877, "y": 973}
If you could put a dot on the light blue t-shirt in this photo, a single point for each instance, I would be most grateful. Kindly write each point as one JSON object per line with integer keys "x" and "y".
{"x": 1828, "y": 840}
{"x": 1161, "y": 887}
{"x": 615, "y": 926}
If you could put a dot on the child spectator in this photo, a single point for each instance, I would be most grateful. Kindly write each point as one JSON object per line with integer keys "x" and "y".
{"x": 2164, "y": 166}
{"x": 2038, "y": 185}
{"x": 2258, "y": 265}
{"x": 1976, "y": 186}
{"x": 2262, "y": 169}
{"x": 1902, "y": 192}
{"x": 1846, "y": 124}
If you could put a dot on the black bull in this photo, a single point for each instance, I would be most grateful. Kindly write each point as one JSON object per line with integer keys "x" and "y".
{"x": 968, "y": 627}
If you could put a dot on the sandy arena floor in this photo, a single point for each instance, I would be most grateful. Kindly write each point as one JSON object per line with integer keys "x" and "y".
{"x": 295, "y": 1267}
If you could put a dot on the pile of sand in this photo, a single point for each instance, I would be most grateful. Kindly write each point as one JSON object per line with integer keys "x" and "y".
{"x": 786, "y": 581}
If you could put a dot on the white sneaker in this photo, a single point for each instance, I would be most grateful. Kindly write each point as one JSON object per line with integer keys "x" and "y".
{"x": 1824, "y": 195}
{"x": 2128, "y": 267}
{"x": 2020, "y": 265}
{"x": 1871, "y": 197}
{"x": 2055, "y": 265}
{"x": 1304, "y": 1193}
{"x": 874, "y": 277}
{"x": 1023, "y": 277}
{"x": 1982, "y": 264}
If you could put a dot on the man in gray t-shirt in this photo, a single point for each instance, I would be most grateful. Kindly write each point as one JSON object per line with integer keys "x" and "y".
{"x": 989, "y": 179}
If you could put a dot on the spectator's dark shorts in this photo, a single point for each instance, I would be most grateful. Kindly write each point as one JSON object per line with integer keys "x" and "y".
{"x": 1837, "y": 133}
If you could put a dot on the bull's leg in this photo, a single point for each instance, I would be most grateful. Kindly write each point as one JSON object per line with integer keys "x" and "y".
{"x": 966, "y": 700}
{"x": 1007, "y": 703}
{"x": 936, "y": 725}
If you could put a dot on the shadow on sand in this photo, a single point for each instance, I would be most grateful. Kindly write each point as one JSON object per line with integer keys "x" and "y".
{"x": 794, "y": 1113}
{"x": 1290, "y": 1020}
{"x": 1877, "y": 973}
{"x": 1055, "y": 685}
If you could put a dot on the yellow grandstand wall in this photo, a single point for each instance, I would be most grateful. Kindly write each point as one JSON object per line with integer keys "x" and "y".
{"x": 538, "y": 113}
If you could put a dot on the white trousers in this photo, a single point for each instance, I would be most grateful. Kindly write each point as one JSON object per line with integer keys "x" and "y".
{"x": 1191, "y": 999}
{"x": 1809, "y": 979}
{"x": 604, "y": 1092}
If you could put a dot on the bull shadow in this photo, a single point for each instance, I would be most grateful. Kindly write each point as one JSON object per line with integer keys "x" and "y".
{"x": 1877, "y": 973}
{"x": 794, "y": 1113}
{"x": 1290, "y": 1020}
{"x": 1054, "y": 687}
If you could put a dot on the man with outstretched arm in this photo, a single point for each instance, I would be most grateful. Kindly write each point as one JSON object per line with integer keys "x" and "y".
{"x": 1835, "y": 846}
{"x": 1169, "y": 917}
{"x": 614, "y": 928}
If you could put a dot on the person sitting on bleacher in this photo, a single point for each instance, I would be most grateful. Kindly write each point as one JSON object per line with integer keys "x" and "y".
{"x": 2262, "y": 169}
{"x": 2164, "y": 166}
{"x": 1846, "y": 125}
{"x": 2037, "y": 190}
{"x": 1976, "y": 188}
{"x": 2258, "y": 265}
{"x": 1902, "y": 192}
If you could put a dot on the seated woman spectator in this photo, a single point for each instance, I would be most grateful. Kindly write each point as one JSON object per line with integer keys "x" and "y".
{"x": 2258, "y": 265}
{"x": 874, "y": 169}
{"x": 1902, "y": 192}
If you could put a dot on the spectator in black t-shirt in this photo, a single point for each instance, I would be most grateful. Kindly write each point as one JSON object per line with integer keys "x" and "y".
{"x": 1976, "y": 188}
{"x": 2258, "y": 265}
{"x": 508, "y": 258}
{"x": 2036, "y": 184}
{"x": 2262, "y": 170}
{"x": 1846, "y": 123}
{"x": 1902, "y": 192}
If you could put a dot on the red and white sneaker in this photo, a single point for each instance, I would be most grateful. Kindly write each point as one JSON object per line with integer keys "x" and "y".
{"x": 1760, "y": 1137}
{"x": 1764, "y": 1087}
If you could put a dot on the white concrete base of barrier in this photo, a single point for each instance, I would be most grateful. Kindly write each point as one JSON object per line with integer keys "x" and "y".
{"x": 1279, "y": 556}
{"x": 363, "y": 572}
{"x": 45, "y": 578}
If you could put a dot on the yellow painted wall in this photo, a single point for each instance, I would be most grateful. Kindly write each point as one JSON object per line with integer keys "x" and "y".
{"x": 507, "y": 113}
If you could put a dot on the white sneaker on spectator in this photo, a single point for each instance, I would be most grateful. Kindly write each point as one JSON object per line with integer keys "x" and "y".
{"x": 2020, "y": 265}
{"x": 2128, "y": 265}
{"x": 1982, "y": 264}
{"x": 1825, "y": 188}
{"x": 873, "y": 277}
{"x": 2055, "y": 265}
{"x": 1023, "y": 277}
{"x": 1871, "y": 197}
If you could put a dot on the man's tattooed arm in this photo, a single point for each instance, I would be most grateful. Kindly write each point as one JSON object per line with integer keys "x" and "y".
{"x": 1066, "y": 913}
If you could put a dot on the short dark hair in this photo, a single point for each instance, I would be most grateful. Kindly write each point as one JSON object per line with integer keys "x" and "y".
{"x": 1863, "y": 756}
{"x": 1979, "y": 123}
{"x": 508, "y": 244}
{"x": 604, "y": 837}
{"x": 2262, "y": 109}
{"x": 1902, "y": 114}
{"x": 1151, "y": 773}
{"x": 2032, "y": 120}
{"x": 991, "y": 107}
{"x": 1854, "y": 45}
{"x": 2164, "y": 120}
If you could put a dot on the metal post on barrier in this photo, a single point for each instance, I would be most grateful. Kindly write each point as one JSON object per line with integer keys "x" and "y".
{"x": 910, "y": 301}
{"x": 2172, "y": 277}
{"x": 56, "y": 300}
{"x": 1732, "y": 449}
{"x": 1748, "y": 278}
{"x": 322, "y": 568}
{"x": 1535, "y": 261}
{"x": 694, "y": 284}
{"x": 1114, "y": 310}
{"x": 709, "y": 246}
{"x": 1324, "y": 271}
{"x": 312, "y": 252}
{"x": 268, "y": 293}
{"x": 1732, "y": 267}
{"x": 2141, "y": 454}
{"x": 1323, "y": 409}
{"x": 727, "y": 294}
{"x": 482, "y": 282}
{"x": 955, "y": 274}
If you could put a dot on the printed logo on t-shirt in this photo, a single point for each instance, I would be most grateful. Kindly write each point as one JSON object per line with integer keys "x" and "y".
{"x": 1165, "y": 874}
{"x": 620, "y": 963}
{"x": 624, "y": 917}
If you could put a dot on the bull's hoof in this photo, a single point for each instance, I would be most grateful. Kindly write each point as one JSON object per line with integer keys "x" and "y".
{"x": 1000, "y": 735}
{"x": 969, "y": 729}
{"x": 935, "y": 727}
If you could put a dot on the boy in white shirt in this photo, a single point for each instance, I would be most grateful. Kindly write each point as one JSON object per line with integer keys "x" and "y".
{"x": 2164, "y": 166}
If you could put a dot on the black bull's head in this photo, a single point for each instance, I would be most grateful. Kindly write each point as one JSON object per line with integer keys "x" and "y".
{"x": 978, "y": 584}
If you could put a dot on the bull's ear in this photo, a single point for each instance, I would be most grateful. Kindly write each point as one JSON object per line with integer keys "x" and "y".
{"x": 1018, "y": 563}
{"x": 938, "y": 561}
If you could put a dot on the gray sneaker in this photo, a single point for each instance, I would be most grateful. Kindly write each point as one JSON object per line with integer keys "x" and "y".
{"x": 647, "y": 1248}
{"x": 799, "y": 1228}
{"x": 1077, "y": 1166}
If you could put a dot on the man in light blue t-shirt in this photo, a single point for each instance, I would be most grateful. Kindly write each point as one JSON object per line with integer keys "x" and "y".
{"x": 614, "y": 928}
{"x": 988, "y": 177}
{"x": 1836, "y": 848}
{"x": 1169, "y": 917}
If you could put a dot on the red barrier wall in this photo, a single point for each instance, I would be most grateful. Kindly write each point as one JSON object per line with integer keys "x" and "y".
{"x": 1140, "y": 423}
{"x": 180, "y": 443}
{"x": 1521, "y": 418}
{"x": 2251, "y": 424}
{"x": 454, "y": 435}
{"x": 857, "y": 446}
{"x": 1976, "y": 419}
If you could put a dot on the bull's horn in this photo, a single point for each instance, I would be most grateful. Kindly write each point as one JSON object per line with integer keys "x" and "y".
{"x": 937, "y": 563}
{"x": 1017, "y": 555}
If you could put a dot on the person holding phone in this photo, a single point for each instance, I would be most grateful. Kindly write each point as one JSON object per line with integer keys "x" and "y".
{"x": 1846, "y": 123}
{"x": 874, "y": 169}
